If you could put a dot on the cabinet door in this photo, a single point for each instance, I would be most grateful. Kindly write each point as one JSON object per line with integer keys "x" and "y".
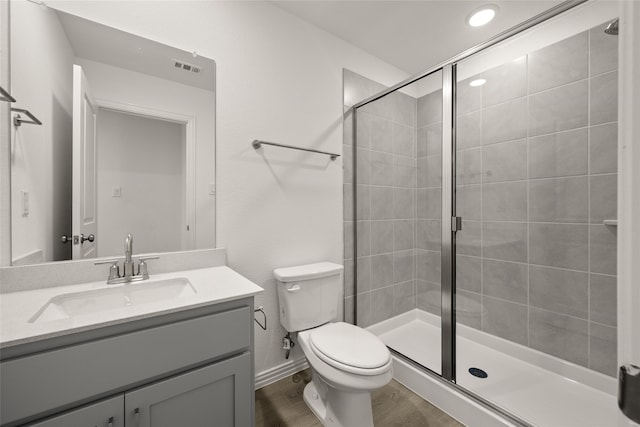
{"x": 217, "y": 395}
{"x": 106, "y": 413}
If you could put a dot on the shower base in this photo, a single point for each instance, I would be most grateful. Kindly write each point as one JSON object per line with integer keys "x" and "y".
{"x": 538, "y": 388}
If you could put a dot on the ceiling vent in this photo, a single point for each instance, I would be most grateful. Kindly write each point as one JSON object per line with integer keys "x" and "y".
{"x": 185, "y": 66}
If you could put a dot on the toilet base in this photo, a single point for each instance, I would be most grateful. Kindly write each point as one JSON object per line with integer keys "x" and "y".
{"x": 338, "y": 408}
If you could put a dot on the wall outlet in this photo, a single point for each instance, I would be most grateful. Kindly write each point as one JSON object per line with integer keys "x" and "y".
{"x": 212, "y": 189}
{"x": 116, "y": 192}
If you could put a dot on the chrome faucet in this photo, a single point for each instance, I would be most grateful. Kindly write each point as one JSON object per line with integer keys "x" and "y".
{"x": 128, "y": 265}
{"x": 128, "y": 251}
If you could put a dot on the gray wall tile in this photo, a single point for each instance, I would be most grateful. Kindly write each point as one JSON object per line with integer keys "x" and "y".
{"x": 468, "y": 201}
{"x": 403, "y": 203}
{"x": 505, "y": 280}
{"x": 559, "y": 245}
{"x": 603, "y": 299}
{"x": 504, "y": 122}
{"x": 404, "y": 172}
{"x": 347, "y": 164}
{"x": 560, "y": 291}
{"x": 469, "y": 167}
{"x": 381, "y": 165}
{"x": 506, "y": 201}
{"x": 428, "y": 297}
{"x": 604, "y": 98}
{"x": 430, "y": 108}
{"x": 363, "y": 202}
{"x": 433, "y": 140}
{"x": 559, "y": 335}
{"x": 381, "y": 134}
{"x": 381, "y": 237}
{"x": 363, "y": 232}
{"x": 349, "y": 283}
{"x": 381, "y": 304}
{"x": 468, "y": 98}
{"x": 381, "y": 203}
{"x": 403, "y": 233}
{"x": 559, "y": 63}
{"x": 347, "y": 201}
{"x": 382, "y": 107}
{"x": 403, "y": 266}
{"x": 364, "y": 310}
{"x": 469, "y": 130}
{"x": 348, "y": 310}
{"x": 433, "y": 198}
{"x": 603, "y": 200}
{"x": 433, "y": 173}
{"x": 381, "y": 271}
{"x": 363, "y": 166}
{"x": 505, "y": 240}
{"x": 604, "y": 51}
{"x": 603, "y": 141}
{"x": 428, "y": 234}
{"x": 505, "y": 162}
{"x": 558, "y": 109}
{"x": 403, "y": 297}
{"x": 363, "y": 281}
{"x": 505, "y": 82}
{"x": 559, "y": 199}
{"x": 469, "y": 273}
{"x": 363, "y": 131}
{"x": 603, "y": 249}
{"x": 404, "y": 109}
{"x": 505, "y": 319}
{"x": 469, "y": 309}
{"x": 559, "y": 154}
{"x": 602, "y": 349}
{"x": 468, "y": 240}
{"x": 428, "y": 266}
{"x": 404, "y": 140}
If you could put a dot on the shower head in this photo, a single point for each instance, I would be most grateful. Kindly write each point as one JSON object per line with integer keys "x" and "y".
{"x": 612, "y": 28}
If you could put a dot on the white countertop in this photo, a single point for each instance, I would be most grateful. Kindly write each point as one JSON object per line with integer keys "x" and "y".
{"x": 213, "y": 285}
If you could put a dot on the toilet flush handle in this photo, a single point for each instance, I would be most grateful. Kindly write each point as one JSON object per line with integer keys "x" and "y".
{"x": 294, "y": 288}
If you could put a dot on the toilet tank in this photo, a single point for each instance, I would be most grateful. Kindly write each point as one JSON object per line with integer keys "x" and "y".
{"x": 308, "y": 295}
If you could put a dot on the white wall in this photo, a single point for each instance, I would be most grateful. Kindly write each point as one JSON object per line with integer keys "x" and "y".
{"x": 41, "y": 61}
{"x": 143, "y": 157}
{"x": 110, "y": 83}
{"x": 278, "y": 79}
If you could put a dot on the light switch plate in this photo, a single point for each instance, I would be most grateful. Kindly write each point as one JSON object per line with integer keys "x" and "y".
{"x": 116, "y": 192}
{"x": 25, "y": 202}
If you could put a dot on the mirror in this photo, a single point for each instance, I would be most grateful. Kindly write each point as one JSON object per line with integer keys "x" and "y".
{"x": 126, "y": 144}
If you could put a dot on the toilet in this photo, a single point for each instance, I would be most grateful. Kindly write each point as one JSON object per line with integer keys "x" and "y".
{"x": 347, "y": 362}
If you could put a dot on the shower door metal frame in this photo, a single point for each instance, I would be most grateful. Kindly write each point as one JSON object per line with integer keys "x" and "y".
{"x": 450, "y": 223}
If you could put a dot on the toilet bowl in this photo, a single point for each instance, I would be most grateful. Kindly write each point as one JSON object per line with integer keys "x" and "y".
{"x": 347, "y": 362}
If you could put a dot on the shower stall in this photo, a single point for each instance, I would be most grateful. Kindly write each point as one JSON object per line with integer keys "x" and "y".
{"x": 480, "y": 218}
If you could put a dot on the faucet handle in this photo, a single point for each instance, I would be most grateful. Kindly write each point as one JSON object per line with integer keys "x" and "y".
{"x": 142, "y": 266}
{"x": 114, "y": 270}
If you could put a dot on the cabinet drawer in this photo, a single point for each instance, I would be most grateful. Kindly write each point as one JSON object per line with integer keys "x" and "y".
{"x": 107, "y": 413}
{"x": 45, "y": 382}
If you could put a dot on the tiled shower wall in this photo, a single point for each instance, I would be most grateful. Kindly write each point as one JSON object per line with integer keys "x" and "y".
{"x": 536, "y": 175}
{"x": 385, "y": 191}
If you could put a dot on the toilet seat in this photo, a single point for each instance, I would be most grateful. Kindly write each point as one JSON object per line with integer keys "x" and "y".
{"x": 350, "y": 349}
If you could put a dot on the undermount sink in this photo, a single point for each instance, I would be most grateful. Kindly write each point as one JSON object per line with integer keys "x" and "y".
{"x": 94, "y": 301}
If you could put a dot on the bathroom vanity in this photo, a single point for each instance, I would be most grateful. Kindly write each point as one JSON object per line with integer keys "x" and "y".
{"x": 71, "y": 356}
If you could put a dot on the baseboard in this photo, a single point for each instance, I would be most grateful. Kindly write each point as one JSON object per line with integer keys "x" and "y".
{"x": 279, "y": 372}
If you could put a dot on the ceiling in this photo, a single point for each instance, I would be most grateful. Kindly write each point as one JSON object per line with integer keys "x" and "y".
{"x": 412, "y": 35}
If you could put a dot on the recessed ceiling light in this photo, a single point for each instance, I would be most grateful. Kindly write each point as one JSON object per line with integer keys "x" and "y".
{"x": 482, "y": 15}
{"x": 477, "y": 82}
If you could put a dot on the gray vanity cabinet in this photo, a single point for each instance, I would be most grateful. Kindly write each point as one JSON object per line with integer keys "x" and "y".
{"x": 106, "y": 413}
{"x": 215, "y": 395}
{"x": 185, "y": 369}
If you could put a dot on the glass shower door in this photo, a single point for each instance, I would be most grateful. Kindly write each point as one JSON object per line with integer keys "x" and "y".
{"x": 536, "y": 150}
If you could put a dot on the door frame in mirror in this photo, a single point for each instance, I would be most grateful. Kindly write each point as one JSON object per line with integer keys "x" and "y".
{"x": 5, "y": 139}
{"x": 190, "y": 164}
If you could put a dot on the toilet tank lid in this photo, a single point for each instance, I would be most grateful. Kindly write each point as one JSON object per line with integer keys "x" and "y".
{"x": 307, "y": 272}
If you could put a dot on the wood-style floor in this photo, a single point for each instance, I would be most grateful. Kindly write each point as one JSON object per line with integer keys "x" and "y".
{"x": 281, "y": 405}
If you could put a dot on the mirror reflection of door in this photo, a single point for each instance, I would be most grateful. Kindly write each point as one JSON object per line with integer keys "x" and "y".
{"x": 84, "y": 210}
{"x": 60, "y": 190}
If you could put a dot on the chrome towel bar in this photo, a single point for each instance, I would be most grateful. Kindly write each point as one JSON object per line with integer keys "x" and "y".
{"x": 257, "y": 143}
{"x": 6, "y": 96}
{"x": 18, "y": 121}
